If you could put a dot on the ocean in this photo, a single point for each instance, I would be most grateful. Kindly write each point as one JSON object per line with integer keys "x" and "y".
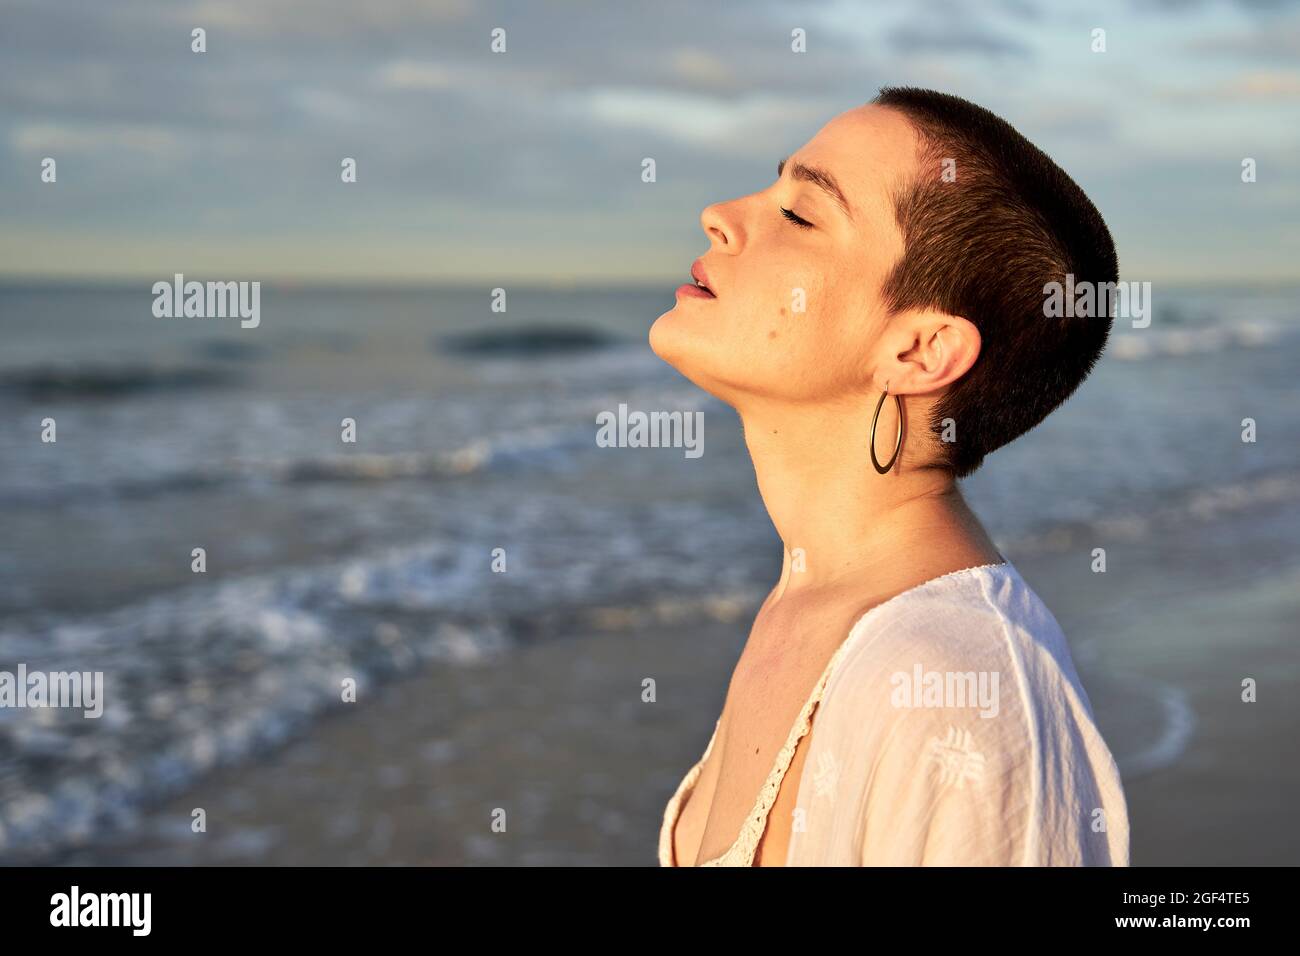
{"x": 476, "y": 442}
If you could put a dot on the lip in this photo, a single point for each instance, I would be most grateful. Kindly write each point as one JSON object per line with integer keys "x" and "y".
{"x": 702, "y": 277}
{"x": 692, "y": 291}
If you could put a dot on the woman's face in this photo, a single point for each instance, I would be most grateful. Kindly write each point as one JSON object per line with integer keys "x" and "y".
{"x": 797, "y": 309}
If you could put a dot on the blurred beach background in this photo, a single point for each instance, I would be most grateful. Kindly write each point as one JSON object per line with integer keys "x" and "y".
{"x": 476, "y": 429}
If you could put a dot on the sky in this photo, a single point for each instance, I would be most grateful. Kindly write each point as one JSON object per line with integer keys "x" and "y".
{"x": 526, "y": 165}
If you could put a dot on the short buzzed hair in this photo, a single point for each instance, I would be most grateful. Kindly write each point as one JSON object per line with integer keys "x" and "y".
{"x": 983, "y": 246}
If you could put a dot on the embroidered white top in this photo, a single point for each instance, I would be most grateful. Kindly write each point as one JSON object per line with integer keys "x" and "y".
{"x": 951, "y": 730}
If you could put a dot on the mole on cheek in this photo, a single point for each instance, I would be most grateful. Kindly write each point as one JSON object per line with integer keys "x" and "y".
{"x": 771, "y": 334}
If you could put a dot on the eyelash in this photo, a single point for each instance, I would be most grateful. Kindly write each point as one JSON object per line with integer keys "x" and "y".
{"x": 801, "y": 223}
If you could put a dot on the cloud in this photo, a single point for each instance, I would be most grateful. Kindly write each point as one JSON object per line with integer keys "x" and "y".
{"x": 327, "y": 106}
{"x": 312, "y": 17}
{"x": 1259, "y": 85}
{"x": 954, "y": 38}
{"x": 1279, "y": 41}
{"x": 47, "y": 138}
{"x": 703, "y": 70}
{"x": 1263, "y": 7}
{"x": 415, "y": 75}
{"x": 698, "y": 119}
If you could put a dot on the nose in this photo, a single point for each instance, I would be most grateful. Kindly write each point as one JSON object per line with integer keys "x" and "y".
{"x": 722, "y": 225}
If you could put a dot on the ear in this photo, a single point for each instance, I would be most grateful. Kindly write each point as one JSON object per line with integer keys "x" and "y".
{"x": 924, "y": 351}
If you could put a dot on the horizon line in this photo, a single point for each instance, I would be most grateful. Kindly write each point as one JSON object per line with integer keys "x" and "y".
{"x": 45, "y": 280}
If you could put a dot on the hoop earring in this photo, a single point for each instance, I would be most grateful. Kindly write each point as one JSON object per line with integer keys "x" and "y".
{"x": 898, "y": 440}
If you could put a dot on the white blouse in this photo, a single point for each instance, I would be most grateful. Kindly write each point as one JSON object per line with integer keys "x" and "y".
{"x": 952, "y": 730}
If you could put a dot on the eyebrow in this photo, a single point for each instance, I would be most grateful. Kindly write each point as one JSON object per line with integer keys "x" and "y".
{"x": 818, "y": 177}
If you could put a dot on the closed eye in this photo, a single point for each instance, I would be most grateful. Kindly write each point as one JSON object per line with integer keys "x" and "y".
{"x": 801, "y": 223}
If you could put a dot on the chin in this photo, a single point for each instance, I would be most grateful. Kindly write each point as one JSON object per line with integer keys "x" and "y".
{"x": 675, "y": 341}
{"x": 665, "y": 337}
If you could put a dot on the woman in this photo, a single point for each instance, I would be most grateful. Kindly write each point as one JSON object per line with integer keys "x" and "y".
{"x": 876, "y": 317}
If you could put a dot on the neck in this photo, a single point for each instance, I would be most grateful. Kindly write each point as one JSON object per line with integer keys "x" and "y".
{"x": 840, "y": 521}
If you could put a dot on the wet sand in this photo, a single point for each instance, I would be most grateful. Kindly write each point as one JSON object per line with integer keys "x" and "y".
{"x": 555, "y": 733}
